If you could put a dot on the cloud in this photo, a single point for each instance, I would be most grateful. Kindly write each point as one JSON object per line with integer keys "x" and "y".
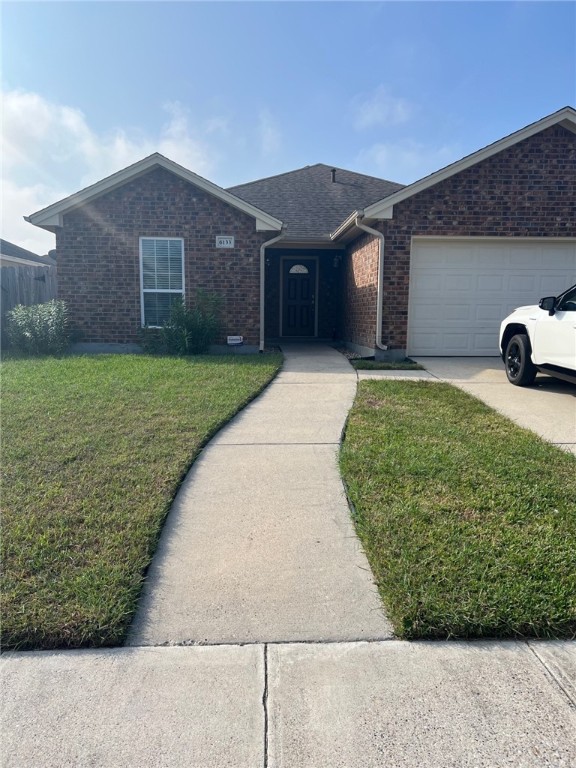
{"x": 269, "y": 133}
{"x": 179, "y": 141}
{"x": 19, "y": 201}
{"x": 381, "y": 110}
{"x": 49, "y": 151}
{"x": 405, "y": 161}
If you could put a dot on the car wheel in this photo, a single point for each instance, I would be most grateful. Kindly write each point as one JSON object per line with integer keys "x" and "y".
{"x": 520, "y": 369}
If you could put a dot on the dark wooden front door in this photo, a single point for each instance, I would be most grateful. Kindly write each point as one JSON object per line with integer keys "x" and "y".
{"x": 299, "y": 297}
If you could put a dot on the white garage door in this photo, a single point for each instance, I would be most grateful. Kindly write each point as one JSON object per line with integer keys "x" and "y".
{"x": 460, "y": 290}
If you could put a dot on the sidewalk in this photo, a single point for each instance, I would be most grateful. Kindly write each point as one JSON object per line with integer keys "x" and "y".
{"x": 260, "y": 640}
{"x": 259, "y": 545}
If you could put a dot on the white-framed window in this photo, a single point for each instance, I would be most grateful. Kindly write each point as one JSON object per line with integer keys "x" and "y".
{"x": 161, "y": 277}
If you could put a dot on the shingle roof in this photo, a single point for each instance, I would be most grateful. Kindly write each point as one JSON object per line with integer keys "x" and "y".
{"x": 309, "y": 203}
{"x": 15, "y": 251}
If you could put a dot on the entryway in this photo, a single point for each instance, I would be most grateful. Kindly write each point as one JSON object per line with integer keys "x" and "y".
{"x": 299, "y": 291}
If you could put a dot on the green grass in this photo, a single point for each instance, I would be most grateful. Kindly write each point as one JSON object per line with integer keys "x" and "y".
{"x": 94, "y": 449}
{"x": 381, "y": 365}
{"x": 468, "y": 521}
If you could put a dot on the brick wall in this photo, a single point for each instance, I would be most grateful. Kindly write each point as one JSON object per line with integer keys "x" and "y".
{"x": 360, "y": 291}
{"x": 527, "y": 190}
{"x": 98, "y": 256}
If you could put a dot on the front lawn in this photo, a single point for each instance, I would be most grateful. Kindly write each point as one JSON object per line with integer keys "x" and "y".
{"x": 468, "y": 521}
{"x": 93, "y": 450}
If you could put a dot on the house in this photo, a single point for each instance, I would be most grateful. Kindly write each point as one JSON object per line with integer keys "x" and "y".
{"x": 325, "y": 253}
{"x": 25, "y": 277}
{"x": 12, "y": 255}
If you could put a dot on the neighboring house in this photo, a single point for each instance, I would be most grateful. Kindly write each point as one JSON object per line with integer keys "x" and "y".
{"x": 25, "y": 277}
{"x": 323, "y": 253}
{"x": 14, "y": 255}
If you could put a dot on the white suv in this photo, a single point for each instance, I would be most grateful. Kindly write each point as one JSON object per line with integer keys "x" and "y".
{"x": 541, "y": 338}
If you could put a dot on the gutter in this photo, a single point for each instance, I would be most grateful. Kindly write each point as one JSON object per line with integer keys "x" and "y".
{"x": 346, "y": 224}
{"x": 263, "y": 286}
{"x": 380, "y": 286}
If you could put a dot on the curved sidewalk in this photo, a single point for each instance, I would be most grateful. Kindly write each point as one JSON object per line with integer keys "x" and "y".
{"x": 259, "y": 545}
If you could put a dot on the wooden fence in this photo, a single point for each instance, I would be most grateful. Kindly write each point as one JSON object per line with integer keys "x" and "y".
{"x": 26, "y": 285}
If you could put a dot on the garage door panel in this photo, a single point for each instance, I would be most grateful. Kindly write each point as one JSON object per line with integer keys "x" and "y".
{"x": 461, "y": 290}
{"x": 459, "y": 312}
{"x": 561, "y": 257}
{"x": 427, "y": 312}
{"x": 483, "y": 313}
{"x": 484, "y": 344}
{"x": 553, "y": 284}
{"x": 490, "y": 283}
{"x": 460, "y": 283}
{"x": 523, "y": 283}
{"x": 459, "y": 342}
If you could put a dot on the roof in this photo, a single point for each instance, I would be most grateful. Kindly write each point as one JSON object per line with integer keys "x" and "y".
{"x": 309, "y": 203}
{"x": 317, "y": 203}
{"x": 18, "y": 255}
{"x": 51, "y": 217}
{"x": 384, "y": 209}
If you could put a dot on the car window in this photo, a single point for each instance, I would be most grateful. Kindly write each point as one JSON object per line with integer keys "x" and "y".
{"x": 568, "y": 301}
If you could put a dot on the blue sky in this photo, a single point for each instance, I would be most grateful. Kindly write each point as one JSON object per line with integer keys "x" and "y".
{"x": 236, "y": 91}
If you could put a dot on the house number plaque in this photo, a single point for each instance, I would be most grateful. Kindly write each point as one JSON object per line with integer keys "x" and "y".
{"x": 224, "y": 241}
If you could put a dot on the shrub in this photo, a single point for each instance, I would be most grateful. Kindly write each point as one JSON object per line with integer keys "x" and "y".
{"x": 41, "y": 329}
{"x": 190, "y": 330}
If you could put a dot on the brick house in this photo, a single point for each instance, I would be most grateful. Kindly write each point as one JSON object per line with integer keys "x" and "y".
{"x": 328, "y": 254}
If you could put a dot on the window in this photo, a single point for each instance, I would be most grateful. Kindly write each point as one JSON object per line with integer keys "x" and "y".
{"x": 161, "y": 277}
{"x": 298, "y": 269}
{"x": 568, "y": 301}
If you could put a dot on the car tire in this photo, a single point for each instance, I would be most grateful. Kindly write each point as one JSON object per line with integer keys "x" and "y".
{"x": 520, "y": 369}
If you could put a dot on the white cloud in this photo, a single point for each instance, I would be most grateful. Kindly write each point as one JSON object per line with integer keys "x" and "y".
{"x": 49, "y": 151}
{"x": 19, "y": 201}
{"x": 381, "y": 110}
{"x": 405, "y": 161}
{"x": 178, "y": 142}
{"x": 269, "y": 132}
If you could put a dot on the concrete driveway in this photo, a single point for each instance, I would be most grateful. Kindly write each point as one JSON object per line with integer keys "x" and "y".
{"x": 548, "y": 407}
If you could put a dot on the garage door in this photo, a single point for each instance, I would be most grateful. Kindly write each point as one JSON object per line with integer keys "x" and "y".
{"x": 460, "y": 290}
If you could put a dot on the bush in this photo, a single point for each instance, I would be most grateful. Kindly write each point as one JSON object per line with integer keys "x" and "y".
{"x": 190, "y": 330}
{"x": 41, "y": 329}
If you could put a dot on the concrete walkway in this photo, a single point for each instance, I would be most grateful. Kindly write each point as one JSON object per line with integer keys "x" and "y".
{"x": 259, "y": 564}
{"x": 259, "y": 545}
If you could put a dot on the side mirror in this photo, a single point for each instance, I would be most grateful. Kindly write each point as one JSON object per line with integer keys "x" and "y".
{"x": 547, "y": 304}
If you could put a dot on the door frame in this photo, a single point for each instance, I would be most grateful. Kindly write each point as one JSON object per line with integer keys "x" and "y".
{"x": 296, "y": 258}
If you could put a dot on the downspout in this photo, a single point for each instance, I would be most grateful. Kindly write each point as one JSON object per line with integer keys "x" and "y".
{"x": 263, "y": 286}
{"x": 380, "y": 285}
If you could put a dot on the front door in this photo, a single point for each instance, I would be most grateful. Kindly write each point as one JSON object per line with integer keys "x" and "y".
{"x": 299, "y": 297}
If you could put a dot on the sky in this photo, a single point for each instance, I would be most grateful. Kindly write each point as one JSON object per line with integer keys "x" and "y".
{"x": 237, "y": 91}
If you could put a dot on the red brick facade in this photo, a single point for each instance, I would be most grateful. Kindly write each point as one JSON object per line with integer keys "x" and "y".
{"x": 98, "y": 256}
{"x": 527, "y": 190}
{"x": 360, "y": 291}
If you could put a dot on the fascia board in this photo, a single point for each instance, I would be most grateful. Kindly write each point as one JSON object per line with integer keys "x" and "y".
{"x": 52, "y": 215}
{"x": 384, "y": 208}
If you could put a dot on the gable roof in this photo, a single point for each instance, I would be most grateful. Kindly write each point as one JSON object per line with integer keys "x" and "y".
{"x": 309, "y": 203}
{"x": 51, "y": 217}
{"x": 17, "y": 255}
{"x": 384, "y": 209}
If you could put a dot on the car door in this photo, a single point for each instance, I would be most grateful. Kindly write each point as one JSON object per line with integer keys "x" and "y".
{"x": 554, "y": 340}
